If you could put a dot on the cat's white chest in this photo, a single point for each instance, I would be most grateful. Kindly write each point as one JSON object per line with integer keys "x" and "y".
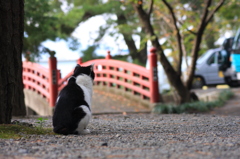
{"x": 87, "y": 94}
{"x": 85, "y": 83}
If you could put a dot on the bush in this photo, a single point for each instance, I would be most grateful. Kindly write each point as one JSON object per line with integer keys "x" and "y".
{"x": 194, "y": 107}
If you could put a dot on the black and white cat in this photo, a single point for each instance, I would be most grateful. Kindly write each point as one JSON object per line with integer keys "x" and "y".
{"x": 73, "y": 106}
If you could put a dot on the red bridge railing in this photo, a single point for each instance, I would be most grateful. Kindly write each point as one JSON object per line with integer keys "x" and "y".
{"x": 108, "y": 72}
{"x": 42, "y": 80}
{"x": 36, "y": 78}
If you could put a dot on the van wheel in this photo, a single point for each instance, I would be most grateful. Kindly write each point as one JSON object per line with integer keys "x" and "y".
{"x": 230, "y": 82}
{"x": 198, "y": 82}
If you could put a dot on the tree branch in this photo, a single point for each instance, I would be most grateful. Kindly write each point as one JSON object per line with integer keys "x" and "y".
{"x": 165, "y": 18}
{"x": 204, "y": 22}
{"x": 190, "y": 31}
{"x": 121, "y": 19}
{"x": 150, "y": 7}
{"x": 197, "y": 42}
{"x": 204, "y": 17}
{"x": 144, "y": 19}
{"x": 185, "y": 53}
{"x": 173, "y": 77}
{"x": 210, "y": 16}
{"x": 178, "y": 35}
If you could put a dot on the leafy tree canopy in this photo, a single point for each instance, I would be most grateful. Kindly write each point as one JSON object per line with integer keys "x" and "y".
{"x": 55, "y": 19}
{"x": 44, "y": 19}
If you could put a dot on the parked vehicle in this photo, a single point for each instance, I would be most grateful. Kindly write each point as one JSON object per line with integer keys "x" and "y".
{"x": 207, "y": 67}
{"x": 206, "y": 73}
{"x": 214, "y": 67}
{"x": 231, "y": 67}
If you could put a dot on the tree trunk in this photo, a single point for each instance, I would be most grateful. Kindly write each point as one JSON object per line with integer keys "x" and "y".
{"x": 173, "y": 77}
{"x": 142, "y": 54}
{"x": 11, "y": 40}
{"x": 139, "y": 55}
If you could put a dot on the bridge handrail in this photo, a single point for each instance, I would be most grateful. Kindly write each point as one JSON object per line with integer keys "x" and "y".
{"x": 123, "y": 75}
{"x": 120, "y": 74}
{"x": 136, "y": 69}
{"x": 63, "y": 81}
{"x": 114, "y": 73}
{"x": 36, "y": 78}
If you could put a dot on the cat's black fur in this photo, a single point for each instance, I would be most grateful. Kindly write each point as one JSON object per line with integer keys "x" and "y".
{"x": 73, "y": 106}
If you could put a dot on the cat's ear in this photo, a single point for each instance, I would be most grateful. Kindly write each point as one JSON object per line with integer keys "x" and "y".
{"x": 76, "y": 68}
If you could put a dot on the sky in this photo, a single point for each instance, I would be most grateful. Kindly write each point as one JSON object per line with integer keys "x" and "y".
{"x": 85, "y": 33}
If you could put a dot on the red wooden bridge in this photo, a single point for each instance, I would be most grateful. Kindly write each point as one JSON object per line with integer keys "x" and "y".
{"x": 110, "y": 73}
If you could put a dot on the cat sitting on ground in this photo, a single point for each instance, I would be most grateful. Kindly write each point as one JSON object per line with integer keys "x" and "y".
{"x": 73, "y": 106}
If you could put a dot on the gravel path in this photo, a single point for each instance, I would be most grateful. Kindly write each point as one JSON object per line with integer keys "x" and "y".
{"x": 136, "y": 136}
{"x": 212, "y": 135}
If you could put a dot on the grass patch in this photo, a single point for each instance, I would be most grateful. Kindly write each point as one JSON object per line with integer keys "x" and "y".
{"x": 16, "y": 131}
{"x": 194, "y": 107}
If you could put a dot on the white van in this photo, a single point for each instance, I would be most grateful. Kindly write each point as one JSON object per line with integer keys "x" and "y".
{"x": 206, "y": 73}
{"x": 207, "y": 68}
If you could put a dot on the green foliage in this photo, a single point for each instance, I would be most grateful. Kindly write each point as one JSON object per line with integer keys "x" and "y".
{"x": 228, "y": 16}
{"x": 120, "y": 57}
{"x": 13, "y": 131}
{"x": 164, "y": 109}
{"x": 137, "y": 62}
{"x": 40, "y": 23}
{"x": 194, "y": 107}
{"x": 40, "y": 122}
{"x": 45, "y": 20}
{"x": 89, "y": 53}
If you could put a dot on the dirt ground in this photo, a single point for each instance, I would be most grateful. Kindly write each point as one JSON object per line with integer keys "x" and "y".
{"x": 105, "y": 102}
{"x": 231, "y": 107}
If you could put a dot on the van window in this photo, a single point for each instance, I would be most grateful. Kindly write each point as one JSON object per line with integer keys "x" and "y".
{"x": 222, "y": 56}
{"x": 217, "y": 57}
{"x": 204, "y": 57}
{"x": 212, "y": 59}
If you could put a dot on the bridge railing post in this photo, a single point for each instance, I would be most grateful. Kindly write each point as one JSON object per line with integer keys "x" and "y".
{"x": 53, "y": 80}
{"x": 108, "y": 56}
{"x": 79, "y": 61}
{"x": 154, "y": 88}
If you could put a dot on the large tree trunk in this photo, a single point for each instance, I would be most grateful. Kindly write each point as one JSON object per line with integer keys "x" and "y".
{"x": 11, "y": 42}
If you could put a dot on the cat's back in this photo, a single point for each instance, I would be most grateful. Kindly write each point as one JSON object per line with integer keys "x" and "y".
{"x": 70, "y": 97}
{"x": 71, "y": 90}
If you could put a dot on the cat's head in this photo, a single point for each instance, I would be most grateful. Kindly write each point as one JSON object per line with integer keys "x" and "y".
{"x": 87, "y": 70}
